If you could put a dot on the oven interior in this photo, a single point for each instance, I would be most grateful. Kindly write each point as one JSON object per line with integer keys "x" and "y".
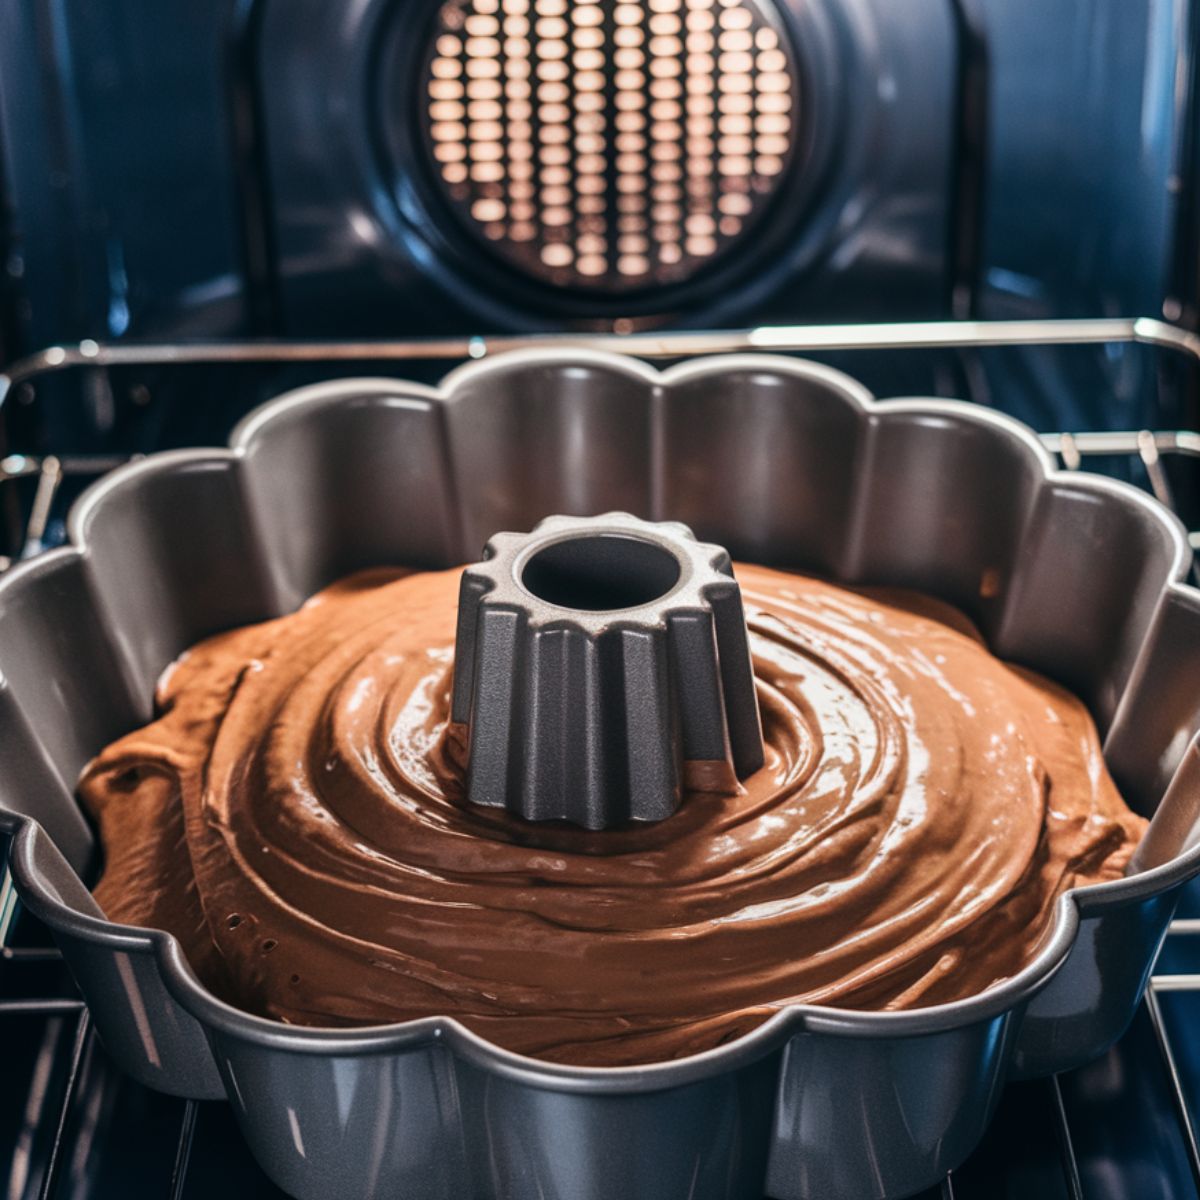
{"x": 176, "y": 180}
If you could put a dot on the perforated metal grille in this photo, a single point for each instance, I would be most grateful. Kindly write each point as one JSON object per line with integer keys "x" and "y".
{"x": 609, "y": 146}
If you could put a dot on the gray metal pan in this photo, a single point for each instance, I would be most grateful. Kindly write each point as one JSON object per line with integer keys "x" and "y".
{"x": 781, "y": 461}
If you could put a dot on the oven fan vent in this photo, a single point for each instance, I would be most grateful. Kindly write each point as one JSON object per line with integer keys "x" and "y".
{"x": 611, "y": 147}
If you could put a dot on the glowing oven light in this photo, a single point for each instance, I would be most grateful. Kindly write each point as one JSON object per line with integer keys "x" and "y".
{"x": 614, "y": 146}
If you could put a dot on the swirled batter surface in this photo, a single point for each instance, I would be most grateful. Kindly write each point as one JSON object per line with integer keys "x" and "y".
{"x": 295, "y": 818}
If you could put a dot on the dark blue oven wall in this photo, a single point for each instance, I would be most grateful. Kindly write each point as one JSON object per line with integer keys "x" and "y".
{"x": 116, "y": 133}
{"x": 202, "y": 169}
{"x": 1088, "y": 157}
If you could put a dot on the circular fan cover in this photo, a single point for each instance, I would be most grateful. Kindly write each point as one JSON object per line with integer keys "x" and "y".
{"x": 609, "y": 146}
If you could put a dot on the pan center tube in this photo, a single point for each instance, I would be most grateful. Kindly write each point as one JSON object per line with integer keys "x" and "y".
{"x": 600, "y": 572}
{"x": 602, "y": 670}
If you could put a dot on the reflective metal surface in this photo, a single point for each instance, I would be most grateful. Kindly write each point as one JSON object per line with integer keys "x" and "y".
{"x": 994, "y": 158}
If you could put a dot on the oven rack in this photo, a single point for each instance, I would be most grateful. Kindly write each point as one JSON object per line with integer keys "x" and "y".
{"x": 1082, "y": 1136}
{"x": 90, "y": 359}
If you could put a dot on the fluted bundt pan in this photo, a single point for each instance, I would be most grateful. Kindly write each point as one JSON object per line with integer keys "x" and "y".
{"x": 781, "y": 462}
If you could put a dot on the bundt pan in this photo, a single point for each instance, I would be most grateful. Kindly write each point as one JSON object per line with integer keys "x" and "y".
{"x": 781, "y": 462}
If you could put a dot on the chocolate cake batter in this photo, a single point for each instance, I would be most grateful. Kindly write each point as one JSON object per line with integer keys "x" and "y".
{"x": 295, "y": 818}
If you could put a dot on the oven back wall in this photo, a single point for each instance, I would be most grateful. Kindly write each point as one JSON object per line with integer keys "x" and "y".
{"x": 269, "y": 166}
{"x": 114, "y": 123}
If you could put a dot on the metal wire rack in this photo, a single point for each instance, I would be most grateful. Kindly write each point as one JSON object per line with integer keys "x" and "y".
{"x": 72, "y": 1126}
